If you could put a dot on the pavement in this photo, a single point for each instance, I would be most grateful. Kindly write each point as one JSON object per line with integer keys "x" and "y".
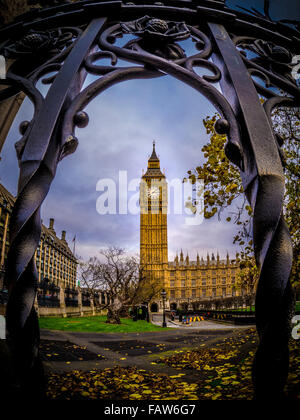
{"x": 142, "y": 350}
{"x": 201, "y": 325}
{"x": 137, "y": 349}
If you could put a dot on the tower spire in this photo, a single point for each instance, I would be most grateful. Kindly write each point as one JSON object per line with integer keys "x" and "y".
{"x": 154, "y": 157}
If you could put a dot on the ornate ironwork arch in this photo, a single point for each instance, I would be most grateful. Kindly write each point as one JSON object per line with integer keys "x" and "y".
{"x": 39, "y": 43}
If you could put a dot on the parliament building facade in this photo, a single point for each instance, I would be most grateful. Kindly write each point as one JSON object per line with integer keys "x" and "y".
{"x": 185, "y": 281}
{"x": 58, "y": 291}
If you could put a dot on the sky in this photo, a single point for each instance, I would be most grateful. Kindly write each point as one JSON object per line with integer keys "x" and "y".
{"x": 124, "y": 121}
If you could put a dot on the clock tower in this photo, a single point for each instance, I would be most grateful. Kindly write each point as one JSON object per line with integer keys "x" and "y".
{"x": 153, "y": 219}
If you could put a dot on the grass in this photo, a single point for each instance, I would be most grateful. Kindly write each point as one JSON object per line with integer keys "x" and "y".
{"x": 96, "y": 324}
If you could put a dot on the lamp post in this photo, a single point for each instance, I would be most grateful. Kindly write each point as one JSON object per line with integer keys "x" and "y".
{"x": 163, "y": 295}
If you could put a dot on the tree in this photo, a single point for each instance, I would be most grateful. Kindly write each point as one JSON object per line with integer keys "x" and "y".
{"x": 224, "y": 190}
{"x": 122, "y": 278}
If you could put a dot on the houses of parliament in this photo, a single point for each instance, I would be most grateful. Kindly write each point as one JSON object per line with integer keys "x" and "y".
{"x": 184, "y": 280}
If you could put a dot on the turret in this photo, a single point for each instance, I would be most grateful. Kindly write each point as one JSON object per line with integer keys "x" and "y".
{"x": 181, "y": 256}
{"x": 187, "y": 259}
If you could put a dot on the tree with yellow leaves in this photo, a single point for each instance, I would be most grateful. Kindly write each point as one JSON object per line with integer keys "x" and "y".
{"x": 224, "y": 190}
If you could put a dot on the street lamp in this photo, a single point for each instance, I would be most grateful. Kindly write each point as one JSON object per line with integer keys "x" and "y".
{"x": 163, "y": 295}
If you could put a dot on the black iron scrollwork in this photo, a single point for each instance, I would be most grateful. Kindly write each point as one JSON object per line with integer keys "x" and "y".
{"x": 39, "y": 42}
{"x": 158, "y": 36}
{"x": 271, "y": 62}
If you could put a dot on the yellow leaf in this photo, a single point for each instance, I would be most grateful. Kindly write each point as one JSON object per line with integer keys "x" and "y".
{"x": 85, "y": 394}
{"x": 135, "y": 396}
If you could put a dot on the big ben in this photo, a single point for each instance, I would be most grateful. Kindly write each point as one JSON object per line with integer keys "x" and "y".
{"x": 153, "y": 219}
{"x": 185, "y": 280}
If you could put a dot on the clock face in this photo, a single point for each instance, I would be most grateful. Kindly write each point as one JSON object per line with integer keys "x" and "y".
{"x": 153, "y": 192}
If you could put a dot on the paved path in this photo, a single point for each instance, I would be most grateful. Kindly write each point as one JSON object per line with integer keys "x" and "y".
{"x": 202, "y": 325}
{"x": 136, "y": 349}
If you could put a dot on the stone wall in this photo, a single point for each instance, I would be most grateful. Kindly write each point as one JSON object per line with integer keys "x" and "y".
{"x": 76, "y": 310}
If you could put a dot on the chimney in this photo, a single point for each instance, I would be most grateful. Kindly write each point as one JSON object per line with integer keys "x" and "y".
{"x": 63, "y": 235}
{"x": 51, "y": 224}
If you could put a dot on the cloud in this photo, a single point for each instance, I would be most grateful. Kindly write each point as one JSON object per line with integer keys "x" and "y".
{"x": 124, "y": 120}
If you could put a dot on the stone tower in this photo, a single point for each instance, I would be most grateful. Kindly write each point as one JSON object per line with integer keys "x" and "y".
{"x": 153, "y": 219}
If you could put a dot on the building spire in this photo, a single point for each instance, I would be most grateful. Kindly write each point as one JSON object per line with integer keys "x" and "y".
{"x": 187, "y": 259}
{"x": 154, "y": 157}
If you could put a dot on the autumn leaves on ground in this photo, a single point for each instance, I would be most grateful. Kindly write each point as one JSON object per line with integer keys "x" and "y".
{"x": 220, "y": 372}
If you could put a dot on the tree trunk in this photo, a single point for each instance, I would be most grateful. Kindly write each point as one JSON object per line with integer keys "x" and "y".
{"x": 113, "y": 316}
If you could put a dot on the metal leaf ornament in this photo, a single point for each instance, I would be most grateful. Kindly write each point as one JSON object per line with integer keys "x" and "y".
{"x": 38, "y": 43}
{"x": 158, "y": 36}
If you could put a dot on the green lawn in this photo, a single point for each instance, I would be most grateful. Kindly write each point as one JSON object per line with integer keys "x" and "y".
{"x": 96, "y": 324}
